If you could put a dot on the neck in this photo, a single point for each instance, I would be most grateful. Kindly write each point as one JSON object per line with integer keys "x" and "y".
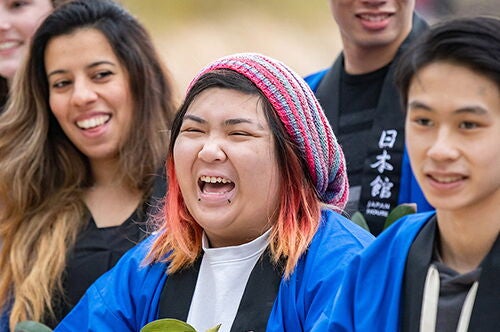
{"x": 104, "y": 173}
{"x": 366, "y": 60}
{"x": 466, "y": 237}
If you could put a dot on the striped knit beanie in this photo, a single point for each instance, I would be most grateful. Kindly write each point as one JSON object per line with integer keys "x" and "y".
{"x": 301, "y": 115}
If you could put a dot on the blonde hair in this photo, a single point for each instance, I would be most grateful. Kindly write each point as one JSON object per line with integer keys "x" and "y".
{"x": 43, "y": 175}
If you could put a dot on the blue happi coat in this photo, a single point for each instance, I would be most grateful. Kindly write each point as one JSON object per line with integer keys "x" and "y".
{"x": 380, "y": 287}
{"x": 370, "y": 296}
{"x": 127, "y": 297}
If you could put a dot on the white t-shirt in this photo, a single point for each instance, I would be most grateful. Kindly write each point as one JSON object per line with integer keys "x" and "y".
{"x": 222, "y": 279}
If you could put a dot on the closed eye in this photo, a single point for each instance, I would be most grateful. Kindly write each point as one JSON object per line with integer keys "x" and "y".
{"x": 240, "y": 133}
{"x": 191, "y": 130}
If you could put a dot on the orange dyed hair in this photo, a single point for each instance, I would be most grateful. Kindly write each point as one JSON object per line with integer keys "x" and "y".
{"x": 298, "y": 213}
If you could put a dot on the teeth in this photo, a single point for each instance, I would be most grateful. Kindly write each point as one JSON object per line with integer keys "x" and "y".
{"x": 448, "y": 179}
{"x": 93, "y": 122}
{"x": 7, "y": 45}
{"x": 214, "y": 179}
{"x": 374, "y": 18}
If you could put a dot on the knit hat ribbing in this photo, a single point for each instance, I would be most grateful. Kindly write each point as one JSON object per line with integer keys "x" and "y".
{"x": 302, "y": 116}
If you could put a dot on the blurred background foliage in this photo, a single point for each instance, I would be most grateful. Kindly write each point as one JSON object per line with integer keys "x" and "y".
{"x": 191, "y": 33}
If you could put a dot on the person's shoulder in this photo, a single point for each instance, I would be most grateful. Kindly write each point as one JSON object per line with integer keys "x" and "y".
{"x": 133, "y": 262}
{"x": 399, "y": 236}
{"x": 335, "y": 225}
{"x": 410, "y": 223}
{"x": 314, "y": 79}
{"x": 124, "y": 298}
{"x": 140, "y": 250}
{"x": 336, "y": 241}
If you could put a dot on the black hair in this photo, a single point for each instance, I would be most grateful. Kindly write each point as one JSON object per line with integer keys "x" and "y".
{"x": 472, "y": 42}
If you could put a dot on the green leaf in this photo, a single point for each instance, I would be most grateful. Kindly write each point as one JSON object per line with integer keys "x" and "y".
{"x": 360, "y": 220}
{"x": 399, "y": 212}
{"x": 215, "y": 328}
{"x": 31, "y": 326}
{"x": 168, "y": 324}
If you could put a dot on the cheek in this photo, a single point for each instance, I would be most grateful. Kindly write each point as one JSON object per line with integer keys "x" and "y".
{"x": 119, "y": 94}
{"x": 129, "y": 118}
{"x": 57, "y": 107}
{"x": 184, "y": 155}
{"x": 415, "y": 146}
{"x": 34, "y": 18}
{"x": 262, "y": 167}
{"x": 28, "y": 25}
{"x": 483, "y": 156}
{"x": 178, "y": 157}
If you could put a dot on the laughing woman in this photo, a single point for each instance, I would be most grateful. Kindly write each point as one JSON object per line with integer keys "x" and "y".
{"x": 251, "y": 238}
{"x": 82, "y": 138}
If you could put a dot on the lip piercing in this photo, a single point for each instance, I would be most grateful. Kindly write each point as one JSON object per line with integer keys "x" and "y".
{"x": 228, "y": 201}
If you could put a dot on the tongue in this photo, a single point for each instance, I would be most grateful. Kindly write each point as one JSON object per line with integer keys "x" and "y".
{"x": 217, "y": 188}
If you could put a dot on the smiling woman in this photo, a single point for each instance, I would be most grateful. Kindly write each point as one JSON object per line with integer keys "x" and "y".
{"x": 18, "y": 22}
{"x": 89, "y": 95}
{"x": 78, "y": 183}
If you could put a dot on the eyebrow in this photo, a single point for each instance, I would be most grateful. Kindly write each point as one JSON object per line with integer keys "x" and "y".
{"x": 228, "y": 122}
{"x": 479, "y": 110}
{"x": 418, "y": 105}
{"x": 92, "y": 65}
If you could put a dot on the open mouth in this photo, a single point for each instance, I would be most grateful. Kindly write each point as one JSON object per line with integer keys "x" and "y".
{"x": 93, "y": 122}
{"x": 215, "y": 184}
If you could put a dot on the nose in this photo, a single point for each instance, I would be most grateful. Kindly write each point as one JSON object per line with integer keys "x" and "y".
{"x": 374, "y": 3}
{"x": 83, "y": 93}
{"x": 444, "y": 148}
{"x": 5, "y": 22}
{"x": 212, "y": 151}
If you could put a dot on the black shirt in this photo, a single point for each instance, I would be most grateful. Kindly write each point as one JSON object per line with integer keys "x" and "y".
{"x": 358, "y": 99}
{"x": 95, "y": 252}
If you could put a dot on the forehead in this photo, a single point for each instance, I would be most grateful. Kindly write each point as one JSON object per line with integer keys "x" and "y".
{"x": 215, "y": 103}
{"x": 78, "y": 46}
{"x": 454, "y": 85}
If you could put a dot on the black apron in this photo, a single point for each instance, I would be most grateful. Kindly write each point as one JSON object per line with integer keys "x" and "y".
{"x": 382, "y": 168}
{"x": 485, "y": 313}
{"x": 255, "y": 305}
